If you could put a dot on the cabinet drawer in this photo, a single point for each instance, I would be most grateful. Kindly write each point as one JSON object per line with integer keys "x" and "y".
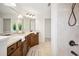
{"x": 17, "y": 52}
{"x": 11, "y": 48}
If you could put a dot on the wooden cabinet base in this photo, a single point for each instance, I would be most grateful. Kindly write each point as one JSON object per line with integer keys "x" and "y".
{"x": 17, "y": 52}
{"x": 21, "y": 48}
{"x": 15, "y": 49}
{"x": 24, "y": 48}
{"x": 34, "y": 39}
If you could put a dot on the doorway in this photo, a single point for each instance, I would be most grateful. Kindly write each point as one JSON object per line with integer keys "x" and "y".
{"x": 47, "y": 29}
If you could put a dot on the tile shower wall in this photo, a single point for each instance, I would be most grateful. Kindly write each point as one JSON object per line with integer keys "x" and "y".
{"x": 63, "y": 33}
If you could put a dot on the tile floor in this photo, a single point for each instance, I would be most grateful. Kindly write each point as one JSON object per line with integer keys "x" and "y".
{"x": 43, "y": 49}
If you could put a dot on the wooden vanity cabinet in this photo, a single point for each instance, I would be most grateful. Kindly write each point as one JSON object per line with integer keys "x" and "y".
{"x": 37, "y": 38}
{"x": 21, "y": 48}
{"x": 27, "y": 38}
{"x": 26, "y": 45}
{"x": 15, "y": 49}
{"x": 24, "y": 48}
{"x": 34, "y": 39}
{"x": 17, "y": 52}
{"x": 30, "y": 41}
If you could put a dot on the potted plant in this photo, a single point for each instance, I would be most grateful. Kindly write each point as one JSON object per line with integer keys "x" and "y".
{"x": 20, "y": 28}
{"x": 14, "y": 27}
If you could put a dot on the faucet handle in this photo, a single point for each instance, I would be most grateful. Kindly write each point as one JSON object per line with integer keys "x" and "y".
{"x": 72, "y": 43}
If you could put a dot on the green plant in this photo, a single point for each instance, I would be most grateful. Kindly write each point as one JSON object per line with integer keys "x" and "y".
{"x": 14, "y": 27}
{"x": 20, "y": 26}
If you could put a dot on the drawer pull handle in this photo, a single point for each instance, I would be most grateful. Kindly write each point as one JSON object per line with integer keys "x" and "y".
{"x": 12, "y": 48}
{"x": 74, "y": 53}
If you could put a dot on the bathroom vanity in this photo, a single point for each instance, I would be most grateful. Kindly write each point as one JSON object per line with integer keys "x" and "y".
{"x": 20, "y": 44}
{"x": 14, "y": 49}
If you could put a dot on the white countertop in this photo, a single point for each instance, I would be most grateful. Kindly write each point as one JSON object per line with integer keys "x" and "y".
{"x": 16, "y": 37}
{"x": 3, "y": 37}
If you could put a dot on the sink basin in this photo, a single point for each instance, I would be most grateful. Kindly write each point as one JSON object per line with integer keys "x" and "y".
{"x": 6, "y": 34}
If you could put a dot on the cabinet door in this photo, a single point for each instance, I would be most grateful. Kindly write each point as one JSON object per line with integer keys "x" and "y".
{"x": 34, "y": 39}
{"x": 37, "y": 38}
{"x": 17, "y": 52}
{"x": 24, "y": 48}
{"x": 28, "y": 41}
{"x": 11, "y": 49}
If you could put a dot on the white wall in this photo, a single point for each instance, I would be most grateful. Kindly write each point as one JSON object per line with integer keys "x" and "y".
{"x": 40, "y": 20}
{"x": 54, "y": 28}
{"x": 33, "y": 24}
{"x": 64, "y": 33}
{"x": 26, "y": 24}
{"x": 1, "y": 25}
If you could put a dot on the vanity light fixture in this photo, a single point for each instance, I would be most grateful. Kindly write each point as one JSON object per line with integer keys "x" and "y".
{"x": 20, "y": 16}
{"x": 30, "y": 15}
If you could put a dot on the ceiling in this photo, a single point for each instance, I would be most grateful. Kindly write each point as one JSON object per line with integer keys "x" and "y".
{"x": 24, "y": 8}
